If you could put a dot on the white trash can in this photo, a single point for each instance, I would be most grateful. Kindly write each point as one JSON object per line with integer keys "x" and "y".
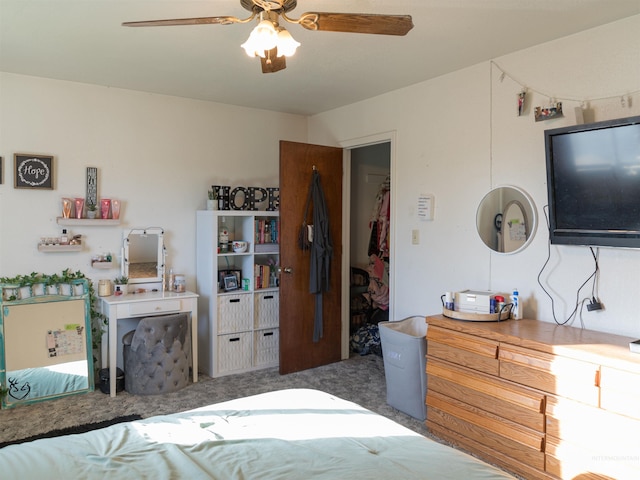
{"x": 404, "y": 350}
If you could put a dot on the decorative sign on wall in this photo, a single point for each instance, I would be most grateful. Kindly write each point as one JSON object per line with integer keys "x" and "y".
{"x": 245, "y": 198}
{"x": 92, "y": 186}
{"x": 33, "y": 171}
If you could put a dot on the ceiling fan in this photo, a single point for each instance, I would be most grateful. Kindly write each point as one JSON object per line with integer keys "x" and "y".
{"x": 272, "y": 43}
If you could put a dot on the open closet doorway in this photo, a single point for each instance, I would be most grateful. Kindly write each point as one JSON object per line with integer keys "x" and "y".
{"x": 369, "y": 241}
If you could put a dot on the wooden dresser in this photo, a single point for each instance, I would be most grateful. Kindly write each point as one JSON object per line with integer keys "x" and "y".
{"x": 538, "y": 399}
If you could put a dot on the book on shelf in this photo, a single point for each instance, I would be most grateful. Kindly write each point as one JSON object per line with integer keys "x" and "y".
{"x": 267, "y": 230}
{"x": 264, "y": 276}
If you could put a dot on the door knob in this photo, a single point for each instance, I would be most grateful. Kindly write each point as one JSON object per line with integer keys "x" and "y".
{"x": 286, "y": 270}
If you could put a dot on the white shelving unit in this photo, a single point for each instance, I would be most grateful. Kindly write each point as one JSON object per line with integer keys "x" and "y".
{"x": 238, "y": 329}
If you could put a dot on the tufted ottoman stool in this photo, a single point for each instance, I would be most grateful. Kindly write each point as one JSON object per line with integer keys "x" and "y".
{"x": 156, "y": 355}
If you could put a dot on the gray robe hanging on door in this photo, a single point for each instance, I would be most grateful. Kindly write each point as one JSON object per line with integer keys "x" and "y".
{"x": 321, "y": 252}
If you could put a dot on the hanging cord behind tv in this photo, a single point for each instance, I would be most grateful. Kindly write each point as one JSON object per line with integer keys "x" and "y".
{"x": 593, "y": 305}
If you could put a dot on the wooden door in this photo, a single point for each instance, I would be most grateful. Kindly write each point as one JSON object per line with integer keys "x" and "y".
{"x": 298, "y": 351}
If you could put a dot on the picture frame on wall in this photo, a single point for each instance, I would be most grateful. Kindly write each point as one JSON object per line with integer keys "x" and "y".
{"x": 33, "y": 171}
{"x": 1, "y": 177}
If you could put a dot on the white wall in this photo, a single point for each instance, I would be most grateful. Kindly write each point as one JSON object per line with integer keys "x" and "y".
{"x": 157, "y": 154}
{"x": 458, "y": 136}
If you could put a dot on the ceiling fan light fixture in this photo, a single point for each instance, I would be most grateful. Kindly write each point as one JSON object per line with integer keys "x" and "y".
{"x": 263, "y": 37}
{"x": 286, "y": 44}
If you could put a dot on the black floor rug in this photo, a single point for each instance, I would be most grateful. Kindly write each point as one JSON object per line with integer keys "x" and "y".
{"x": 87, "y": 427}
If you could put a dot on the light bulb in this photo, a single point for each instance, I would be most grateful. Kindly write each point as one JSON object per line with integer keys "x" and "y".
{"x": 286, "y": 44}
{"x": 263, "y": 37}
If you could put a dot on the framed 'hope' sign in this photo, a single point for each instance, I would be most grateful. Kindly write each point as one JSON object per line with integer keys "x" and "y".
{"x": 33, "y": 171}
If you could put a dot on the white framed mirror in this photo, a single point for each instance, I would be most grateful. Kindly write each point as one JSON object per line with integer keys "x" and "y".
{"x": 143, "y": 255}
{"x": 506, "y": 219}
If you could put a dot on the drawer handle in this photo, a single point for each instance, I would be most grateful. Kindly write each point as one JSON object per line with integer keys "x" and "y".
{"x": 234, "y": 300}
{"x": 237, "y": 339}
{"x": 268, "y": 334}
{"x": 267, "y": 297}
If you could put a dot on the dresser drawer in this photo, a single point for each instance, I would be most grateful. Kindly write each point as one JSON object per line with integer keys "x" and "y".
{"x": 234, "y": 352}
{"x": 515, "y": 441}
{"x": 567, "y": 460}
{"x": 513, "y": 402}
{"x": 139, "y": 309}
{"x": 606, "y": 433}
{"x": 234, "y": 313}
{"x": 550, "y": 373}
{"x": 463, "y": 349}
{"x": 620, "y": 391}
{"x": 266, "y": 310}
{"x": 266, "y": 346}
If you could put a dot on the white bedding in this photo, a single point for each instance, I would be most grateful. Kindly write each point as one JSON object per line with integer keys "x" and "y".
{"x": 288, "y": 434}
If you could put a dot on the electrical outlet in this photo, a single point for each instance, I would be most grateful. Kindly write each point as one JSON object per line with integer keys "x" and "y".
{"x": 594, "y": 305}
{"x": 415, "y": 237}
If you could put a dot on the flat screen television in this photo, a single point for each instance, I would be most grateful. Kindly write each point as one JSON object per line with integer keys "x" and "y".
{"x": 593, "y": 183}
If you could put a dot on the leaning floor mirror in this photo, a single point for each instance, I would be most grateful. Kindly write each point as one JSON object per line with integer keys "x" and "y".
{"x": 45, "y": 341}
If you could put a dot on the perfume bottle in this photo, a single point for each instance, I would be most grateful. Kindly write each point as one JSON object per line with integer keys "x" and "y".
{"x": 223, "y": 236}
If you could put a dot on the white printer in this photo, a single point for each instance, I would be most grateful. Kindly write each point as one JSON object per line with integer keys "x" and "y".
{"x": 473, "y": 301}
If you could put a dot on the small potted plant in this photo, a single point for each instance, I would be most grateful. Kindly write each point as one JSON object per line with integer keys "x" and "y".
{"x": 212, "y": 199}
{"x": 92, "y": 210}
{"x": 121, "y": 285}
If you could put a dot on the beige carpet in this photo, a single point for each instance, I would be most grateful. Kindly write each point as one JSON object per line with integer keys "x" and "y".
{"x": 360, "y": 379}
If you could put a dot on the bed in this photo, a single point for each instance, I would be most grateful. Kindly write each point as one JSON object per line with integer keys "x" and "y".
{"x": 292, "y": 434}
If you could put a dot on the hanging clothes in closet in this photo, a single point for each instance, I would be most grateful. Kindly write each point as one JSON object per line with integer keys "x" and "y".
{"x": 366, "y": 339}
{"x": 379, "y": 222}
{"x": 379, "y": 247}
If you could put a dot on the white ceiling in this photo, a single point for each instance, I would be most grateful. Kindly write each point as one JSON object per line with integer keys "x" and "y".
{"x": 83, "y": 41}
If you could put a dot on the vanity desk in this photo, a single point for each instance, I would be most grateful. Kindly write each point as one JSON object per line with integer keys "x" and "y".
{"x": 147, "y": 304}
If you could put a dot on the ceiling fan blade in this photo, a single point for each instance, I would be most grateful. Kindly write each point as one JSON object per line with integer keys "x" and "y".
{"x": 183, "y": 21}
{"x": 357, "y": 23}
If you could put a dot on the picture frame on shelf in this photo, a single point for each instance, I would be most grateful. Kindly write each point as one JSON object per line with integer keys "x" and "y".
{"x": 230, "y": 283}
{"x": 33, "y": 171}
{"x": 223, "y": 274}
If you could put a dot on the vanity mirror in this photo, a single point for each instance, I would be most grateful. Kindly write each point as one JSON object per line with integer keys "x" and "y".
{"x": 506, "y": 219}
{"x": 143, "y": 255}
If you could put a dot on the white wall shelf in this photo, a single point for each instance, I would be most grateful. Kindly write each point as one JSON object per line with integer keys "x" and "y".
{"x": 87, "y": 222}
{"x": 103, "y": 265}
{"x": 59, "y": 248}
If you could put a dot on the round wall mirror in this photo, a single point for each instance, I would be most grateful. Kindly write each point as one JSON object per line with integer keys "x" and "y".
{"x": 506, "y": 219}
